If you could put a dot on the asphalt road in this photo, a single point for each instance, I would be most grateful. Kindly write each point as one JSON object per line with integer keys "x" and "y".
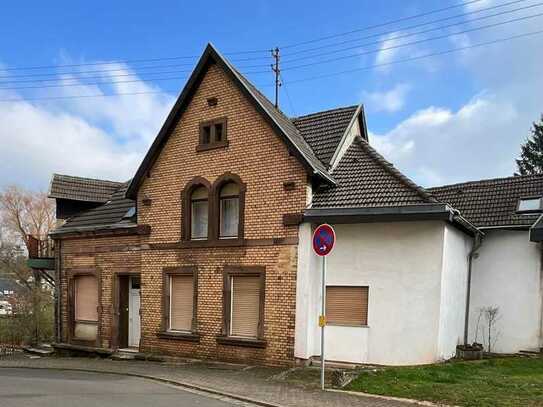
{"x": 52, "y": 388}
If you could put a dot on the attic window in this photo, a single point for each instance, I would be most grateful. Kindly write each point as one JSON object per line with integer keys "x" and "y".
{"x": 130, "y": 213}
{"x": 212, "y": 135}
{"x": 529, "y": 205}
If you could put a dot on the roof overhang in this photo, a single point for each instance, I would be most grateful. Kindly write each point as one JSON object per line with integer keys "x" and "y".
{"x": 405, "y": 213}
{"x": 101, "y": 230}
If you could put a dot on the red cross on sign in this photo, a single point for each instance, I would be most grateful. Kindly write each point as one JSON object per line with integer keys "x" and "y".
{"x": 324, "y": 239}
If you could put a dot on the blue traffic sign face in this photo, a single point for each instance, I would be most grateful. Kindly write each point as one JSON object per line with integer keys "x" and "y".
{"x": 324, "y": 238}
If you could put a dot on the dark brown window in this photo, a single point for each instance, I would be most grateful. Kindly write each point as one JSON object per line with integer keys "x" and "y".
{"x": 180, "y": 299}
{"x": 347, "y": 305}
{"x": 212, "y": 134}
{"x": 229, "y": 211}
{"x": 199, "y": 209}
{"x": 213, "y": 215}
{"x": 85, "y": 303}
{"x": 244, "y": 302}
{"x": 195, "y": 208}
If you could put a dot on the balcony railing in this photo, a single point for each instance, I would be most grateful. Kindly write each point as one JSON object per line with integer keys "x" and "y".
{"x": 40, "y": 249}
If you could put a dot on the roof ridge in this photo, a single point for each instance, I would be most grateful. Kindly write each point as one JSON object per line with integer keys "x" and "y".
{"x": 335, "y": 109}
{"x": 389, "y": 167}
{"x": 89, "y": 179}
{"x": 487, "y": 181}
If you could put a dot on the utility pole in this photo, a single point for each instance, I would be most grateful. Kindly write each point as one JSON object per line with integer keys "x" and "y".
{"x": 277, "y": 71}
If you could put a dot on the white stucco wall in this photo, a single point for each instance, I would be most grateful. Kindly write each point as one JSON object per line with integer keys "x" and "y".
{"x": 402, "y": 264}
{"x": 507, "y": 274}
{"x": 308, "y": 283}
{"x": 454, "y": 277}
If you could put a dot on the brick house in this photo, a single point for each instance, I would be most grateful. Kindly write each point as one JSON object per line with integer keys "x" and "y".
{"x": 205, "y": 252}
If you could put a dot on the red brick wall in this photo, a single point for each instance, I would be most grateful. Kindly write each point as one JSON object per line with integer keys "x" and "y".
{"x": 257, "y": 155}
{"x": 107, "y": 255}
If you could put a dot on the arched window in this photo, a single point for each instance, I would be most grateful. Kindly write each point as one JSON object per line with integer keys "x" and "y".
{"x": 199, "y": 208}
{"x": 229, "y": 210}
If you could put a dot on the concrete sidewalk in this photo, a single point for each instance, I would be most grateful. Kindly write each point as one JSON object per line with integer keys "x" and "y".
{"x": 253, "y": 384}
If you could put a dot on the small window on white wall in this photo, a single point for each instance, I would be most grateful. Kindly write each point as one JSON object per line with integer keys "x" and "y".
{"x": 347, "y": 305}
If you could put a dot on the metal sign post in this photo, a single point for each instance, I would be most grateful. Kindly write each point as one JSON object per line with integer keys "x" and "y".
{"x": 322, "y": 319}
{"x": 324, "y": 239}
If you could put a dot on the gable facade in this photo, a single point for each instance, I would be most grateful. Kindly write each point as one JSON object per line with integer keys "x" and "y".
{"x": 272, "y": 187}
{"x": 274, "y": 184}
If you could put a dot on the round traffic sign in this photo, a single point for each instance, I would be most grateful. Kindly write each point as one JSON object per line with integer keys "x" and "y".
{"x": 324, "y": 239}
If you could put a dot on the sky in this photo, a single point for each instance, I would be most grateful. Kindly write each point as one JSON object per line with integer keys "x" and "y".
{"x": 85, "y": 86}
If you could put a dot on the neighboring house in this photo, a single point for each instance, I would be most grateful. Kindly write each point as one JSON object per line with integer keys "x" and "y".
{"x": 206, "y": 251}
{"x": 8, "y": 288}
{"x": 507, "y": 271}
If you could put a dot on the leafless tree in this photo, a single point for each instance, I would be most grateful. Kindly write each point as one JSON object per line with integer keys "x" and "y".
{"x": 26, "y": 213}
{"x": 491, "y": 316}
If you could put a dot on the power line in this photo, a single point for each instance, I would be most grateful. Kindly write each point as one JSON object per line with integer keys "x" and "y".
{"x": 89, "y": 84}
{"x": 371, "y": 27}
{"x": 383, "y": 33}
{"x": 82, "y": 96}
{"x": 130, "y": 61}
{"x": 244, "y": 52}
{"x": 233, "y": 53}
{"x": 48, "y": 74}
{"x": 307, "y": 79}
{"x": 399, "y": 61}
{"x": 288, "y": 97}
{"x": 291, "y": 60}
{"x": 413, "y": 42}
{"x": 79, "y": 78}
{"x": 81, "y": 75}
{"x": 263, "y": 65}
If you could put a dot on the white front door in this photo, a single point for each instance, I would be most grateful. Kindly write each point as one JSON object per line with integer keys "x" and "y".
{"x": 134, "y": 330}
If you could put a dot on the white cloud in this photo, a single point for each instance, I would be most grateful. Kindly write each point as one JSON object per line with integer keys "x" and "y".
{"x": 481, "y": 138}
{"x": 399, "y": 45}
{"x": 477, "y": 5}
{"x": 102, "y": 137}
{"x": 387, "y": 51}
{"x": 390, "y": 101}
{"x": 437, "y": 145}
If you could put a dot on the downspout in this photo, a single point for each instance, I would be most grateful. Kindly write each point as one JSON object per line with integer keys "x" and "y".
{"x": 477, "y": 243}
{"x": 541, "y": 298}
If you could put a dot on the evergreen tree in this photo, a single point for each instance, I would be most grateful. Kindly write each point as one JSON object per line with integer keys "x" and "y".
{"x": 531, "y": 152}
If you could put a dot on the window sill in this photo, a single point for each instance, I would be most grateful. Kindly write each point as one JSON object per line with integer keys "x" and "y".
{"x": 213, "y": 243}
{"x": 181, "y": 336}
{"x": 212, "y": 146}
{"x": 246, "y": 342}
{"x": 347, "y": 325}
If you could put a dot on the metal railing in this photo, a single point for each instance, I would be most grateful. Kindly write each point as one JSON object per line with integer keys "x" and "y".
{"x": 39, "y": 249}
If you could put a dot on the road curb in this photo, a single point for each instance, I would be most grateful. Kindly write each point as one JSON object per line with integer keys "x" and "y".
{"x": 186, "y": 385}
{"x": 402, "y": 399}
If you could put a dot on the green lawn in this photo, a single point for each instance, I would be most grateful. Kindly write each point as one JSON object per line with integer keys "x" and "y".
{"x": 493, "y": 382}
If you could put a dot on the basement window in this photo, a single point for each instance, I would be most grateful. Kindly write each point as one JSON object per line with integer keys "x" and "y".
{"x": 529, "y": 205}
{"x": 212, "y": 135}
